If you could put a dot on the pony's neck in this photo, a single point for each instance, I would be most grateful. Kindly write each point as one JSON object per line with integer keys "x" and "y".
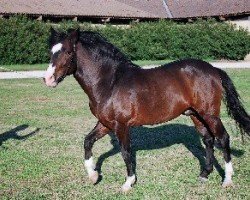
{"x": 95, "y": 77}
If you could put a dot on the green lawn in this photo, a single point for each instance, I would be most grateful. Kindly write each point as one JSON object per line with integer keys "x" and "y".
{"x": 7, "y": 68}
{"x": 41, "y": 151}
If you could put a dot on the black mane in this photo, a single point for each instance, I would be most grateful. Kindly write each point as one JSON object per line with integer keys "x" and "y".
{"x": 102, "y": 50}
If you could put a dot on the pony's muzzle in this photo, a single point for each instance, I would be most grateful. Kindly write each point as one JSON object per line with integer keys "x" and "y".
{"x": 50, "y": 81}
{"x": 49, "y": 77}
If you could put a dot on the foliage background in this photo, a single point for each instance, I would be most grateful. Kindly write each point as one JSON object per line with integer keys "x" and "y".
{"x": 24, "y": 41}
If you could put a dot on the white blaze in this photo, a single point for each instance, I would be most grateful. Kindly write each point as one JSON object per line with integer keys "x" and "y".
{"x": 56, "y": 48}
{"x": 49, "y": 78}
{"x": 50, "y": 71}
{"x": 49, "y": 74}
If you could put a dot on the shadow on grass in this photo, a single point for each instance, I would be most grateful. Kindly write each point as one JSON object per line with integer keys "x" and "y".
{"x": 144, "y": 138}
{"x": 13, "y": 134}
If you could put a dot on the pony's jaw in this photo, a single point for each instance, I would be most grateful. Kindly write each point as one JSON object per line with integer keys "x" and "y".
{"x": 49, "y": 78}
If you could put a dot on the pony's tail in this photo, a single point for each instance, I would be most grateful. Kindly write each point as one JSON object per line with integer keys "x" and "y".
{"x": 235, "y": 108}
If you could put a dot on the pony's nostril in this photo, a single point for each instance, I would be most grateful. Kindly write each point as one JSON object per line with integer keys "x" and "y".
{"x": 44, "y": 80}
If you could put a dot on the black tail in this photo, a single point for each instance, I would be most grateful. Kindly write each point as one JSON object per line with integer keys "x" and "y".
{"x": 235, "y": 108}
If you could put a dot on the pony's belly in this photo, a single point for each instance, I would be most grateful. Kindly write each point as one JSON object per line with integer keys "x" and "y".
{"x": 156, "y": 116}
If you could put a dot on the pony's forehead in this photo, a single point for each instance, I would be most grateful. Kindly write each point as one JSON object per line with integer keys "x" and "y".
{"x": 57, "y": 47}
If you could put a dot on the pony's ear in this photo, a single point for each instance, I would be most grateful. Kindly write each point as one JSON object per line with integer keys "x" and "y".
{"x": 74, "y": 35}
{"x": 54, "y": 34}
{"x": 55, "y": 37}
{"x": 52, "y": 31}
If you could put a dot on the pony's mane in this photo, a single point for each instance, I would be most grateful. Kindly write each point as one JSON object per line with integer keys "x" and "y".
{"x": 102, "y": 50}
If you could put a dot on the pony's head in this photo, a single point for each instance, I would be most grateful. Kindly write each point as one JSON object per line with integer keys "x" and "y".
{"x": 62, "y": 56}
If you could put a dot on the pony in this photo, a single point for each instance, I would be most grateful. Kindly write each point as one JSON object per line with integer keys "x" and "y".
{"x": 123, "y": 95}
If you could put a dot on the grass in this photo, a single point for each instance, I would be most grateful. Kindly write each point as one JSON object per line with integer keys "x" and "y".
{"x": 41, "y": 151}
{"x": 7, "y": 68}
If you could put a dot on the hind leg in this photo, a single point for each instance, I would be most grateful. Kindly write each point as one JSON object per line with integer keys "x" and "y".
{"x": 217, "y": 129}
{"x": 225, "y": 144}
{"x": 208, "y": 140}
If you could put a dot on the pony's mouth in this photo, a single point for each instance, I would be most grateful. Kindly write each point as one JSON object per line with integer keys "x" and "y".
{"x": 51, "y": 81}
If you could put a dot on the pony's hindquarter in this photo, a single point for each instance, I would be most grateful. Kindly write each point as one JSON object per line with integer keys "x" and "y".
{"x": 207, "y": 119}
{"x": 204, "y": 92}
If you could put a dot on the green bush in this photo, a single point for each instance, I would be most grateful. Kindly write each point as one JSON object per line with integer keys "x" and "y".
{"x": 24, "y": 41}
{"x": 203, "y": 40}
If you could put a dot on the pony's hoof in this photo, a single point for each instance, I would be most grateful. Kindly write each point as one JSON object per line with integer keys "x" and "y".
{"x": 126, "y": 188}
{"x": 93, "y": 177}
{"x": 227, "y": 183}
{"x": 203, "y": 179}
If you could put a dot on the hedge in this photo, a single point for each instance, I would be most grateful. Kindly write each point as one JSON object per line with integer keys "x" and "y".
{"x": 24, "y": 41}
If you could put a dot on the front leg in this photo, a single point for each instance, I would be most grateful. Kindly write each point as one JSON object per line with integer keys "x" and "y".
{"x": 123, "y": 136}
{"x": 98, "y": 132}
